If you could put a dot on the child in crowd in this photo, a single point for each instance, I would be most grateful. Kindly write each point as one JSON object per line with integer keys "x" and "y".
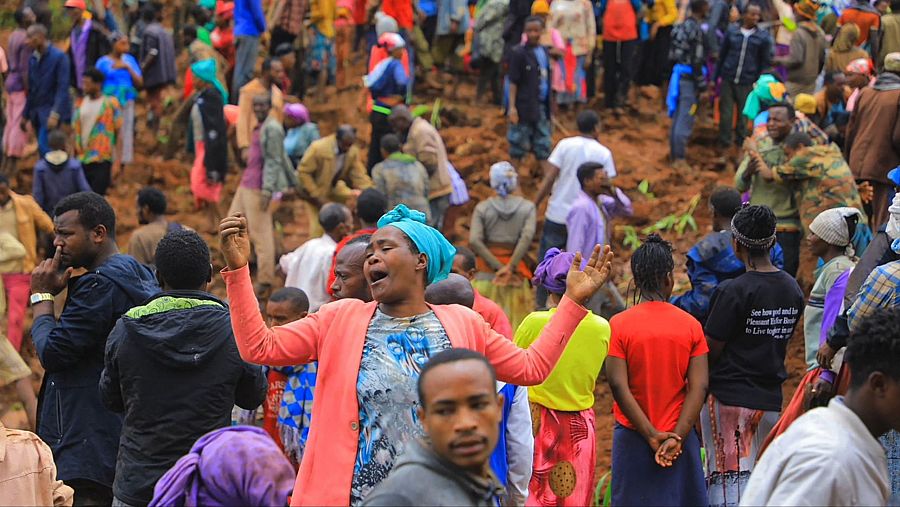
{"x": 56, "y": 174}
{"x": 401, "y": 178}
{"x": 657, "y": 371}
{"x": 97, "y": 120}
{"x": 751, "y": 318}
{"x": 528, "y": 104}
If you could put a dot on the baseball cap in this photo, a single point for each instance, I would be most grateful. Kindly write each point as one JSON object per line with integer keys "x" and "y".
{"x": 76, "y": 4}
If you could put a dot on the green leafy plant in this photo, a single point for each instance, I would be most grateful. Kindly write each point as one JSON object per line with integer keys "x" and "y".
{"x": 631, "y": 240}
{"x": 687, "y": 219}
{"x": 644, "y": 189}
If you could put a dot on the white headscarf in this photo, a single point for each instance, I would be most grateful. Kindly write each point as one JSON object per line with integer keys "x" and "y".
{"x": 504, "y": 179}
{"x": 893, "y": 225}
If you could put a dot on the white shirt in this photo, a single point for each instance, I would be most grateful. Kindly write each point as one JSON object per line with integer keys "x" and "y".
{"x": 519, "y": 447}
{"x": 306, "y": 268}
{"x": 568, "y": 155}
{"x": 827, "y": 457}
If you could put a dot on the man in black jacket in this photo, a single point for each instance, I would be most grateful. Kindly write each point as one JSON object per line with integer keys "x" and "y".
{"x": 88, "y": 40}
{"x": 173, "y": 368}
{"x": 80, "y": 431}
{"x": 746, "y": 52}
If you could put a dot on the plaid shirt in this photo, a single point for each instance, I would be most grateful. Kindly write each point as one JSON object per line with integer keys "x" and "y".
{"x": 881, "y": 290}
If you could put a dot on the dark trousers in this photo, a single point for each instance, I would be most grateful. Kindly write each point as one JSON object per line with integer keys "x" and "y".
{"x": 732, "y": 96}
{"x": 655, "y": 65}
{"x": 88, "y": 492}
{"x": 683, "y": 121}
{"x": 380, "y": 128}
{"x": 429, "y": 28}
{"x": 618, "y": 69}
{"x": 280, "y": 36}
{"x": 98, "y": 176}
{"x": 554, "y": 235}
{"x": 489, "y": 78}
{"x": 790, "y": 245}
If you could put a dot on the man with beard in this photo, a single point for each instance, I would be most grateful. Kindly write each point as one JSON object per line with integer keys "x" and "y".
{"x": 151, "y": 204}
{"x": 81, "y": 432}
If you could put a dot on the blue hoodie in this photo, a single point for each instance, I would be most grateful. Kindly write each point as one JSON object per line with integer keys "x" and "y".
{"x": 81, "y": 432}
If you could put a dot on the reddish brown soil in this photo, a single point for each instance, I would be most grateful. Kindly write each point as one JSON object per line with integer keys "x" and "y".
{"x": 475, "y": 138}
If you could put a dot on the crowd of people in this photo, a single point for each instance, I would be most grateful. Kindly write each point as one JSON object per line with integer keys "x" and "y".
{"x": 381, "y": 364}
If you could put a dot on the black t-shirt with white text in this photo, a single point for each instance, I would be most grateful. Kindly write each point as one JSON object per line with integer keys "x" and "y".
{"x": 755, "y": 315}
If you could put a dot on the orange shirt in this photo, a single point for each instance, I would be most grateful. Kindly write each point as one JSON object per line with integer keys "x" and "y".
{"x": 657, "y": 341}
{"x": 865, "y": 20}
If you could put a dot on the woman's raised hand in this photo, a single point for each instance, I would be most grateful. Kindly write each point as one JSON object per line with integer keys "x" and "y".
{"x": 581, "y": 284}
{"x": 235, "y": 240}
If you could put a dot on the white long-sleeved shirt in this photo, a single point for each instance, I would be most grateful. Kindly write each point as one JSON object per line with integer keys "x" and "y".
{"x": 519, "y": 447}
{"x": 306, "y": 268}
{"x": 827, "y": 457}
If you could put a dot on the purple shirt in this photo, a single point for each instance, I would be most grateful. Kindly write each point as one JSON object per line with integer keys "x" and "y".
{"x": 586, "y": 224}
{"x": 79, "y": 42}
{"x": 18, "y": 55}
{"x": 253, "y": 174}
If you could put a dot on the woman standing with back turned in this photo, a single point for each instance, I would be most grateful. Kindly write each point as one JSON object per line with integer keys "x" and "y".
{"x": 657, "y": 372}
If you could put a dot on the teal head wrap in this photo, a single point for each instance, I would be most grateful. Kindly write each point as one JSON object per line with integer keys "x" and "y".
{"x": 205, "y": 70}
{"x": 427, "y": 239}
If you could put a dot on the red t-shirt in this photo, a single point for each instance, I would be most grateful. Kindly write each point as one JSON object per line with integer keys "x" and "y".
{"x": 493, "y": 315}
{"x": 619, "y": 21}
{"x": 400, "y": 10}
{"x": 865, "y": 20}
{"x": 657, "y": 341}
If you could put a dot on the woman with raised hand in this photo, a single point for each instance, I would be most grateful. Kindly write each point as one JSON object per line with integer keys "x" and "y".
{"x": 370, "y": 354}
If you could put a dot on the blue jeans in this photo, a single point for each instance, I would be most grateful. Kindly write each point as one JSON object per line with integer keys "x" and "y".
{"x": 246, "y": 50}
{"x": 553, "y": 235}
{"x": 683, "y": 121}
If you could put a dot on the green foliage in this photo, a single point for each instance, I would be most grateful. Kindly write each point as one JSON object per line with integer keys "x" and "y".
{"x": 644, "y": 189}
{"x": 435, "y": 109}
{"x": 671, "y": 222}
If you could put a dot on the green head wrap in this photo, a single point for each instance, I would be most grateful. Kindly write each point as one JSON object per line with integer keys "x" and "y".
{"x": 427, "y": 239}
{"x": 205, "y": 70}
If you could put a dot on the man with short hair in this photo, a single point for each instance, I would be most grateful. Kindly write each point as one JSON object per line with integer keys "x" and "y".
{"x": 48, "y": 104}
{"x": 332, "y": 169}
{"x": 567, "y": 157}
{"x": 173, "y": 369}
{"x": 745, "y": 53}
{"x": 307, "y": 267}
{"x": 461, "y": 413}
{"x": 261, "y": 180}
{"x": 851, "y": 469}
{"x": 57, "y": 174}
{"x": 82, "y": 433}
{"x": 21, "y": 218}
{"x": 806, "y": 57}
{"x": 284, "y": 306}
{"x": 817, "y": 175}
{"x": 767, "y": 148}
{"x": 271, "y": 75}
{"x": 349, "y": 280}
{"x": 528, "y": 128}
{"x": 464, "y": 264}
{"x": 872, "y": 146}
{"x": 596, "y": 202}
{"x": 422, "y": 141}
{"x": 151, "y": 206}
{"x": 370, "y": 206}
{"x": 691, "y": 46}
{"x": 400, "y": 177}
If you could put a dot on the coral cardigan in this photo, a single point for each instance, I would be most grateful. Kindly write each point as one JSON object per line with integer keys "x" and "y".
{"x": 334, "y": 336}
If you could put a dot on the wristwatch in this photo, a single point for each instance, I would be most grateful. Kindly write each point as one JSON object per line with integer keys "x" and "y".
{"x": 39, "y": 297}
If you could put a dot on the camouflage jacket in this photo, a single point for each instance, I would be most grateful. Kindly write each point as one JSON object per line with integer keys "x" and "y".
{"x": 821, "y": 180}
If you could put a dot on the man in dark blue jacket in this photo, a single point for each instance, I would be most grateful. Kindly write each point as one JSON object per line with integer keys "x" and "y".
{"x": 746, "y": 53}
{"x": 712, "y": 261}
{"x": 48, "y": 104}
{"x": 173, "y": 368}
{"x": 80, "y": 431}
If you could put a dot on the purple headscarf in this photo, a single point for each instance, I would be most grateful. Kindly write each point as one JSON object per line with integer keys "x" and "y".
{"x": 551, "y": 272}
{"x": 238, "y": 465}
{"x": 297, "y": 112}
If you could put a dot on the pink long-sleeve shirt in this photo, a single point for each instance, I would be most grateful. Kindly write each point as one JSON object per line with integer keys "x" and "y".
{"x": 334, "y": 336}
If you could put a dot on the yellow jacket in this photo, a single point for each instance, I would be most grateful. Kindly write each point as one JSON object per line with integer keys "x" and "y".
{"x": 663, "y": 12}
{"x": 317, "y": 171}
{"x": 29, "y": 217}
